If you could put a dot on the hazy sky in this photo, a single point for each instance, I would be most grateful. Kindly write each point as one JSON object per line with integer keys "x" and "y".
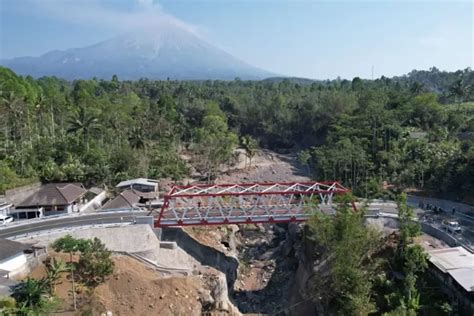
{"x": 314, "y": 39}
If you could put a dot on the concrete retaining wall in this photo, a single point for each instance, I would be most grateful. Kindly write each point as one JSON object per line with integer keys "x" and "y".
{"x": 204, "y": 254}
{"x": 439, "y": 234}
{"x": 447, "y": 205}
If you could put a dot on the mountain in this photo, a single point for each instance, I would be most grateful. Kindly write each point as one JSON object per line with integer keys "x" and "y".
{"x": 167, "y": 52}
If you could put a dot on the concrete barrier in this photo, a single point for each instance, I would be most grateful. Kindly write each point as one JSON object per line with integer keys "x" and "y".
{"x": 439, "y": 234}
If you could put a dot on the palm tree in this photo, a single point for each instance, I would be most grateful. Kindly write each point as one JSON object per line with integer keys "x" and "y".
{"x": 459, "y": 90}
{"x": 82, "y": 122}
{"x": 54, "y": 268}
{"x": 137, "y": 138}
{"x": 14, "y": 114}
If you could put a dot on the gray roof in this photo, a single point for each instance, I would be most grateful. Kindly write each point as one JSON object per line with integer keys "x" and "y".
{"x": 54, "y": 194}
{"x": 125, "y": 200}
{"x": 9, "y": 248}
{"x": 457, "y": 262}
{"x": 140, "y": 181}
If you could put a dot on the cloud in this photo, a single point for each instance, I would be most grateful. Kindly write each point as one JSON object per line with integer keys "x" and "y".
{"x": 139, "y": 14}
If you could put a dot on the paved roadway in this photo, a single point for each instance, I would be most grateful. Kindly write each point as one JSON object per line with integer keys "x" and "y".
{"x": 34, "y": 226}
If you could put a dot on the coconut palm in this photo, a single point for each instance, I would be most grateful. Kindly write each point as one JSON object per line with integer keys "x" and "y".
{"x": 84, "y": 123}
{"x": 460, "y": 90}
{"x": 137, "y": 138}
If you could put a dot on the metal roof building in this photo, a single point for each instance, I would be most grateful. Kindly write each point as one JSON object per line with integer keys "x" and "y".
{"x": 455, "y": 268}
{"x": 457, "y": 262}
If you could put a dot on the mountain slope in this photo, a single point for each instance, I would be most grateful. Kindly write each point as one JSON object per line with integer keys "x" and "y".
{"x": 170, "y": 52}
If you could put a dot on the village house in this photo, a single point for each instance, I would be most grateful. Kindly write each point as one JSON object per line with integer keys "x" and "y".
{"x": 47, "y": 199}
{"x": 146, "y": 189}
{"x": 126, "y": 200}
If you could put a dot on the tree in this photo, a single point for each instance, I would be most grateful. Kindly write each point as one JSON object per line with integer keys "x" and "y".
{"x": 84, "y": 123}
{"x": 250, "y": 146}
{"x": 460, "y": 90}
{"x": 137, "y": 138}
{"x": 213, "y": 145}
{"x": 95, "y": 263}
{"x": 349, "y": 247}
{"x": 304, "y": 157}
{"x": 71, "y": 245}
{"x": 411, "y": 259}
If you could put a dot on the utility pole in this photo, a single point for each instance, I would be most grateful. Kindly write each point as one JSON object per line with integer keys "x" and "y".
{"x": 372, "y": 72}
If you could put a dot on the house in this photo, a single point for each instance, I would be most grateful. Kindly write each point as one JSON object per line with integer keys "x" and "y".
{"x": 146, "y": 189}
{"x": 50, "y": 199}
{"x": 125, "y": 201}
{"x": 12, "y": 257}
{"x": 140, "y": 185}
{"x": 454, "y": 267}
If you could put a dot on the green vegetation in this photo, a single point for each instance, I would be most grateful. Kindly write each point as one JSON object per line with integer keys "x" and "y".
{"x": 37, "y": 296}
{"x": 414, "y": 130}
{"x": 360, "y": 132}
{"x": 30, "y": 297}
{"x": 360, "y": 272}
{"x": 95, "y": 261}
{"x": 54, "y": 268}
{"x": 349, "y": 248}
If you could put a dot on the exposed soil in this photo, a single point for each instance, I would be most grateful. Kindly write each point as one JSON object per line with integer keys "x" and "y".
{"x": 138, "y": 290}
{"x": 135, "y": 289}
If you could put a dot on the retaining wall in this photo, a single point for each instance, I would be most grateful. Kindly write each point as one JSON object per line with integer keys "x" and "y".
{"x": 204, "y": 254}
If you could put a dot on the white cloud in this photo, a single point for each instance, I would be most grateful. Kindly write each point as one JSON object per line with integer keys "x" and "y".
{"x": 145, "y": 14}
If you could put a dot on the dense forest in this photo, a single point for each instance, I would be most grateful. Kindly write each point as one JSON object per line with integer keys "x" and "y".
{"x": 411, "y": 131}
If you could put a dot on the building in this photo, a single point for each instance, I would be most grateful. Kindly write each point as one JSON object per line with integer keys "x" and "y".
{"x": 454, "y": 267}
{"x": 146, "y": 189}
{"x": 125, "y": 201}
{"x": 50, "y": 199}
{"x": 5, "y": 208}
{"x": 93, "y": 198}
{"x": 140, "y": 184}
{"x": 12, "y": 257}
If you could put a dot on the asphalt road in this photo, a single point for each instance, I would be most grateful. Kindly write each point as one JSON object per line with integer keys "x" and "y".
{"x": 68, "y": 221}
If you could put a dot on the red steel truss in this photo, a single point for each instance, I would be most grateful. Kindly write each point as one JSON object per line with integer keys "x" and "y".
{"x": 247, "y": 203}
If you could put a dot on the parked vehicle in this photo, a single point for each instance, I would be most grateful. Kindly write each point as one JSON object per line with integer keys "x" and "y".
{"x": 5, "y": 219}
{"x": 451, "y": 226}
